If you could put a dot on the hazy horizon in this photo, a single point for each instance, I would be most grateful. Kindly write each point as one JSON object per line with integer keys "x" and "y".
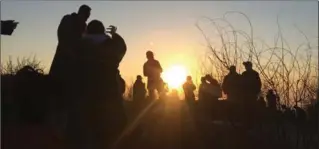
{"x": 167, "y": 28}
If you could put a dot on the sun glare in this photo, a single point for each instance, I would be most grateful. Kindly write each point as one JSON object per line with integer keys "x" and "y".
{"x": 175, "y": 76}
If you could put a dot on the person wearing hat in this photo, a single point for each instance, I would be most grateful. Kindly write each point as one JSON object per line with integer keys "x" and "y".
{"x": 251, "y": 81}
{"x": 231, "y": 84}
{"x": 251, "y": 87}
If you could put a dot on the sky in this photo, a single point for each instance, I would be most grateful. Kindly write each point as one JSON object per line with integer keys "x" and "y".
{"x": 167, "y": 28}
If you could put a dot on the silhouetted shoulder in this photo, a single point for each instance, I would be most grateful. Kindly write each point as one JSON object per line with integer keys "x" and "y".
{"x": 146, "y": 63}
{"x": 255, "y": 72}
{"x": 68, "y": 17}
{"x": 157, "y": 62}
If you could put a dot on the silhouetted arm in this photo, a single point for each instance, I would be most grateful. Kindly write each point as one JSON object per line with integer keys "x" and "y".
{"x": 134, "y": 89}
{"x": 194, "y": 87}
{"x": 120, "y": 46}
{"x": 144, "y": 89}
{"x": 185, "y": 87}
{"x": 145, "y": 71}
{"x": 256, "y": 83}
{"x": 160, "y": 69}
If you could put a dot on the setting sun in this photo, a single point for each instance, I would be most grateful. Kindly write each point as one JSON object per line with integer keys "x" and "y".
{"x": 175, "y": 76}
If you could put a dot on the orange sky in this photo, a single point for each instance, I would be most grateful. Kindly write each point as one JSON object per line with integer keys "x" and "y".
{"x": 167, "y": 28}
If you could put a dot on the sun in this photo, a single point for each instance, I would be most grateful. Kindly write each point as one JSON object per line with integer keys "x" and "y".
{"x": 175, "y": 76}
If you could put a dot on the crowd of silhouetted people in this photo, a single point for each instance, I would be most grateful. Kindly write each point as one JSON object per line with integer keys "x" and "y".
{"x": 85, "y": 89}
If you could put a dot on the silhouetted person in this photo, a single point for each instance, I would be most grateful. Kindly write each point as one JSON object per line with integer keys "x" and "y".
{"x": 73, "y": 26}
{"x": 215, "y": 92}
{"x": 209, "y": 92}
{"x": 70, "y": 31}
{"x": 271, "y": 100}
{"x": 139, "y": 91}
{"x": 251, "y": 83}
{"x": 98, "y": 116}
{"x": 214, "y": 89}
{"x": 152, "y": 69}
{"x": 231, "y": 84}
{"x": 8, "y": 26}
{"x": 202, "y": 94}
{"x": 251, "y": 87}
{"x": 189, "y": 88}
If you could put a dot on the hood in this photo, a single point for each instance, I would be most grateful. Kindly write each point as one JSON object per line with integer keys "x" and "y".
{"x": 96, "y": 38}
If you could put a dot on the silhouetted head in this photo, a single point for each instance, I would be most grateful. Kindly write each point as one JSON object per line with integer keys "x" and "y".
{"x": 248, "y": 65}
{"x": 208, "y": 77}
{"x": 232, "y": 69}
{"x": 139, "y": 78}
{"x": 149, "y": 55}
{"x": 203, "y": 79}
{"x": 270, "y": 91}
{"x": 84, "y": 12}
{"x": 95, "y": 27}
{"x": 211, "y": 80}
{"x": 189, "y": 78}
{"x": 284, "y": 107}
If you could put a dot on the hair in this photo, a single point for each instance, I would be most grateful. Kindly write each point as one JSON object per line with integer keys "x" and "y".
{"x": 203, "y": 79}
{"x": 95, "y": 27}
{"x": 248, "y": 64}
{"x": 84, "y": 8}
{"x": 232, "y": 68}
{"x": 270, "y": 91}
{"x": 139, "y": 77}
{"x": 149, "y": 54}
